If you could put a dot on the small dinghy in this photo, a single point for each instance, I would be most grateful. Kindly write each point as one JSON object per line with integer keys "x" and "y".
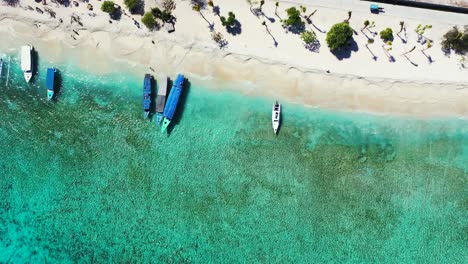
{"x": 275, "y": 116}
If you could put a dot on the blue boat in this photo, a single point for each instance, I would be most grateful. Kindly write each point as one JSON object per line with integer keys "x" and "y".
{"x": 172, "y": 101}
{"x": 147, "y": 88}
{"x": 50, "y": 82}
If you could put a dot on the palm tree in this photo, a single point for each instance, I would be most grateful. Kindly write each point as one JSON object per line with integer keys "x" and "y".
{"x": 387, "y": 48}
{"x": 366, "y": 24}
{"x": 311, "y": 14}
{"x": 276, "y": 8}
{"x": 262, "y": 2}
{"x": 349, "y": 16}
{"x": 197, "y": 8}
{"x": 268, "y": 30}
{"x": 411, "y": 50}
{"x": 402, "y": 26}
{"x": 404, "y": 55}
{"x": 369, "y": 42}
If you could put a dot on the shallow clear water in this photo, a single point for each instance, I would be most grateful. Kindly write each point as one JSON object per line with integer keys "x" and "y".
{"x": 86, "y": 179}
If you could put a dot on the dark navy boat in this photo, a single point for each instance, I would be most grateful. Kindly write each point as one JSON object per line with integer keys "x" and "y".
{"x": 147, "y": 89}
{"x": 50, "y": 82}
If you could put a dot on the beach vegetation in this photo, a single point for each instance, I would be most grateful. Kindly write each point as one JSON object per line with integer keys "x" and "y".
{"x": 402, "y": 26}
{"x": 308, "y": 36}
{"x": 294, "y": 20}
{"x": 149, "y": 21}
{"x": 262, "y": 2}
{"x": 420, "y": 30}
{"x": 230, "y": 21}
{"x": 198, "y": 4}
{"x": 219, "y": 39}
{"x": 276, "y": 8}
{"x": 210, "y": 3}
{"x": 132, "y": 5}
{"x": 164, "y": 15}
{"x": 366, "y": 24}
{"x": 168, "y": 5}
{"x": 386, "y": 34}
{"x": 456, "y": 40}
{"x": 349, "y": 17}
{"x": 310, "y": 40}
{"x": 339, "y": 36}
{"x": 310, "y": 15}
{"x": 108, "y": 7}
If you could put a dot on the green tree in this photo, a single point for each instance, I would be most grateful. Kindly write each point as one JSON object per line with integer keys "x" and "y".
{"x": 157, "y": 13}
{"x": 262, "y": 2}
{"x": 108, "y": 7}
{"x": 230, "y": 21}
{"x": 131, "y": 4}
{"x": 148, "y": 20}
{"x": 294, "y": 18}
{"x": 276, "y": 8}
{"x": 456, "y": 40}
{"x": 339, "y": 35}
{"x": 386, "y": 34}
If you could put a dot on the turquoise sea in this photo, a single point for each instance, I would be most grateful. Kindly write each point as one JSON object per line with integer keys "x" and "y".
{"x": 86, "y": 179}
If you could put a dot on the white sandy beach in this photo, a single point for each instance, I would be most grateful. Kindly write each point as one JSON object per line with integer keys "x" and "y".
{"x": 252, "y": 64}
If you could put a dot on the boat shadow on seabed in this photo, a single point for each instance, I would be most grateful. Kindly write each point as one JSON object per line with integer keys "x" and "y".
{"x": 58, "y": 86}
{"x": 35, "y": 65}
{"x": 180, "y": 107}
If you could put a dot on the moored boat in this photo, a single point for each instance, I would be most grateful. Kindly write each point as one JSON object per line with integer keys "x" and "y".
{"x": 161, "y": 99}
{"x": 50, "y": 82}
{"x": 1, "y": 67}
{"x": 27, "y": 62}
{"x": 147, "y": 89}
{"x": 172, "y": 101}
{"x": 275, "y": 116}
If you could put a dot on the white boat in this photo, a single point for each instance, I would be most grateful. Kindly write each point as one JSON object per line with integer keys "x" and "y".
{"x": 275, "y": 116}
{"x": 27, "y": 62}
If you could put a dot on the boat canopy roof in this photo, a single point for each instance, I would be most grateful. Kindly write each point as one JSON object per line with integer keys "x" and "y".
{"x": 50, "y": 79}
{"x": 162, "y": 83}
{"x": 26, "y": 58}
{"x": 147, "y": 83}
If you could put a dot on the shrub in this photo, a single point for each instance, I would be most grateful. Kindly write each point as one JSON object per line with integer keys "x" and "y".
{"x": 294, "y": 17}
{"x": 131, "y": 4}
{"x": 339, "y": 35}
{"x": 308, "y": 37}
{"x": 148, "y": 20}
{"x": 230, "y": 21}
{"x": 386, "y": 34}
{"x": 456, "y": 40}
{"x": 108, "y": 7}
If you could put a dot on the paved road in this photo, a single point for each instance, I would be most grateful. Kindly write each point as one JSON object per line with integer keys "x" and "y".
{"x": 420, "y": 14}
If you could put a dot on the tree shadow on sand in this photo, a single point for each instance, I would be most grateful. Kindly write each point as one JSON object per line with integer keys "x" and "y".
{"x": 236, "y": 29}
{"x": 345, "y": 53}
{"x": 180, "y": 107}
{"x": 295, "y": 29}
{"x": 12, "y": 2}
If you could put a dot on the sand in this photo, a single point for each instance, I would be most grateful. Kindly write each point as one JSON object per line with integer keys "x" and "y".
{"x": 252, "y": 64}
